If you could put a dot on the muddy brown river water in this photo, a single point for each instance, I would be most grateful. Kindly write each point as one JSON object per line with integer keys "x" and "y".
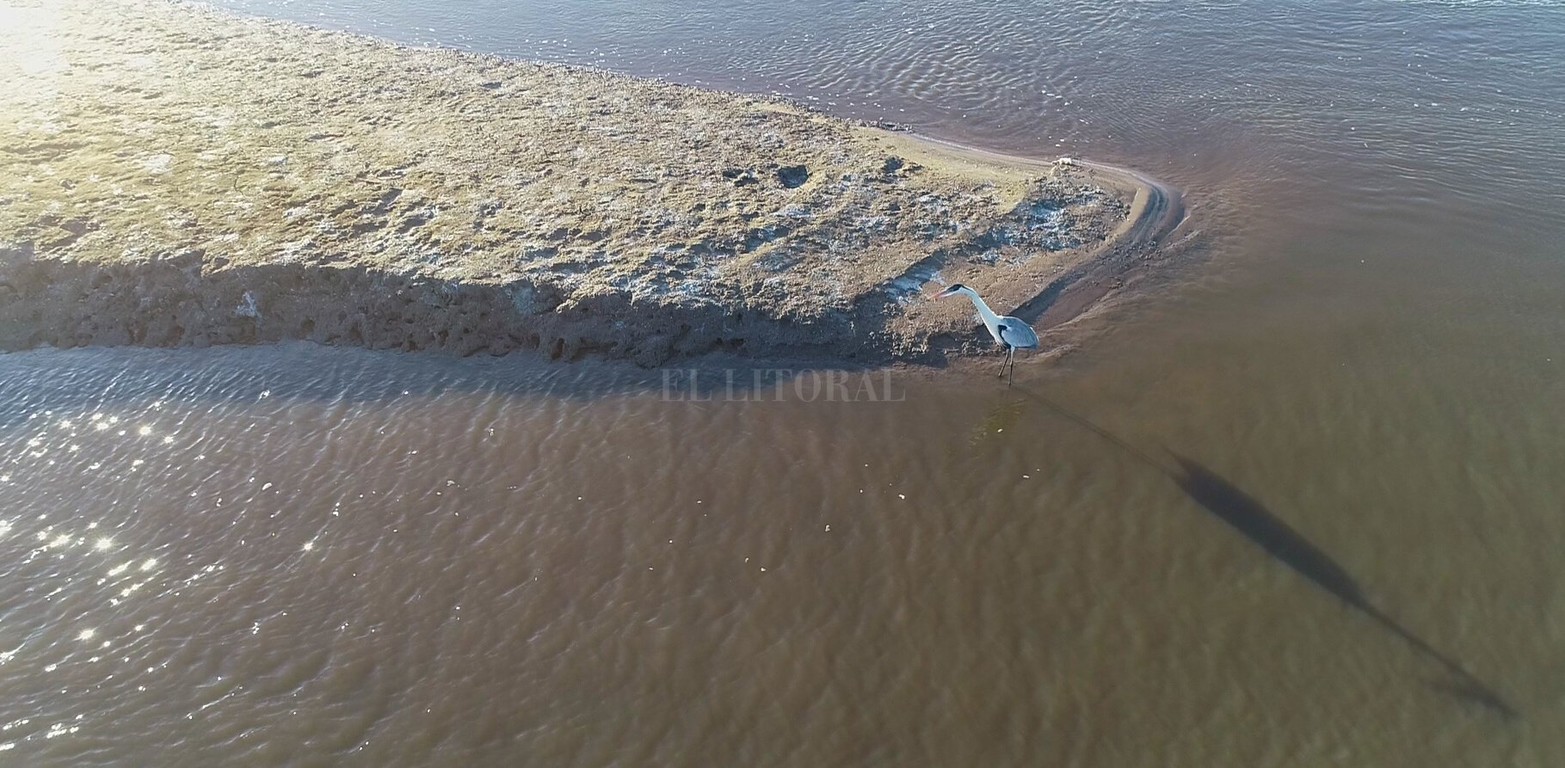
{"x": 1141, "y": 554}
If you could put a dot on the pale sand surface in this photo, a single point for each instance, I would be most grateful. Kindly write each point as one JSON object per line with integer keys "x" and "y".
{"x": 170, "y": 174}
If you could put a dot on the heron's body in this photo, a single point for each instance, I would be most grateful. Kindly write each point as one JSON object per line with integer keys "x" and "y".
{"x": 1009, "y": 332}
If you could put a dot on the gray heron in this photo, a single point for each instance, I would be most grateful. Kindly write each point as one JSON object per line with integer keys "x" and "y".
{"x": 1009, "y": 332}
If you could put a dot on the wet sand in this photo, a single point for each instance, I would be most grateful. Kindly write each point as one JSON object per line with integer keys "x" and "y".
{"x": 172, "y": 175}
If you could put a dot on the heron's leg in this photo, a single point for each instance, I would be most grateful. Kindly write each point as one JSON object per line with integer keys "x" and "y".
{"x": 1012, "y": 358}
{"x": 1003, "y": 360}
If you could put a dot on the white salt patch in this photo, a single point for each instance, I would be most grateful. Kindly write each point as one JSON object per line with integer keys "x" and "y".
{"x": 159, "y": 163}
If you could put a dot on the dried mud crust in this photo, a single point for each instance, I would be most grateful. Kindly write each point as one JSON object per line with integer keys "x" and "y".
{"x": 174, "y": 175}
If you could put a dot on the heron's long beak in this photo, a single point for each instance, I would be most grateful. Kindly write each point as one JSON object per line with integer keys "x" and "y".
{"x": 945, "y": 293}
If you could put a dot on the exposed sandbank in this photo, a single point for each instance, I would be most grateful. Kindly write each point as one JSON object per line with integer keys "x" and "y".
{"x": 173, "y": 175}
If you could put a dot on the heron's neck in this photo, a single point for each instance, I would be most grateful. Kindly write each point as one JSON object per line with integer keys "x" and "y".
{"x": 988, "y": 315}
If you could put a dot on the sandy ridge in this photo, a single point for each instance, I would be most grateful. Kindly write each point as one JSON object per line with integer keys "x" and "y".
{"x": 175, "y": 175}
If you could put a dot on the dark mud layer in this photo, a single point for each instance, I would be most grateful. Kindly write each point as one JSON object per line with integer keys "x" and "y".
{"x": 182, "y": 301}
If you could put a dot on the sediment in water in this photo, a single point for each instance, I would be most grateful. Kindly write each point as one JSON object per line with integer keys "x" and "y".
{"x": 173, "y": 175}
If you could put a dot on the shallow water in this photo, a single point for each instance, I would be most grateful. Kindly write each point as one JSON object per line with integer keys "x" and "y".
{"x": 297, "y": 555}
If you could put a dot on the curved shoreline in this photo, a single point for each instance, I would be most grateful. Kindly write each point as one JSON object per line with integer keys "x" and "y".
{"x": 432, "y": 199}
{"x": 1157, "y": 209}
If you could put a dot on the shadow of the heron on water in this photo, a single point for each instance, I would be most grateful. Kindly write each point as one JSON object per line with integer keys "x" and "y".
{"x": 1251, "y": 519}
